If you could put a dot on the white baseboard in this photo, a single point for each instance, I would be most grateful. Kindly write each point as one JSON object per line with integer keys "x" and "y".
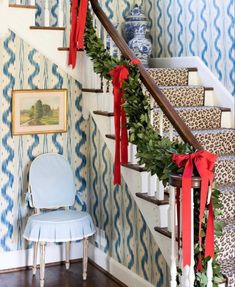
{"x": 116, "y": 269}
{"x": 56, "y": 253}
{"x": 23, "y": 258}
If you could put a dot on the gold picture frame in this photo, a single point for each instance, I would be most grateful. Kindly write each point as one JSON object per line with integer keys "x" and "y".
{"x": 39, "y": 111}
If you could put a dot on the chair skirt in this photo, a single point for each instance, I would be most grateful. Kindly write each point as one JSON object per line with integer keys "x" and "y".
{"x": 59, "y": 226}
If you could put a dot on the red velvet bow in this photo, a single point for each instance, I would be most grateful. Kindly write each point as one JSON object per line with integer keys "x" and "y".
{"x": 78, "y": 22}
{"x": 119, "y": 74}
{"x": 204, "y": 162}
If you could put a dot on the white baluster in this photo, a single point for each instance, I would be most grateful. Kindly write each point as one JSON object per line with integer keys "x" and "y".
{"x": 209, "y": 271}
{"x": 160, "y": 190}
{"x": 180, "y": 252}
{"x": 111, "y": 47}
{"x": 32, "y": 2}
{"x": 144, "y": 181}
{"x": 105, "y": 39}
{"x": 171, "y": 132}
{"x": 46, "y": 14}
{"x": 18, "y": 2}
{"x": 173, "y": 269}
{"x": 161, "y": 123}
{"x": 132, "y": 153}
{"x": 185, "y": 276}
{"x": 188, "y": 277}
{"x": 60, "y": 14}
{"x": 209, "y": 274}
{"x": 191, "y": 272}
{"x": 152, "y": 184}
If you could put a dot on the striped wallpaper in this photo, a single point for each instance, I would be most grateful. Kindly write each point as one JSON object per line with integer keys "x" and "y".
{"x": 127, "y": 237}
{"x": 204, "y": 28}
{"x": 22, "y": 67}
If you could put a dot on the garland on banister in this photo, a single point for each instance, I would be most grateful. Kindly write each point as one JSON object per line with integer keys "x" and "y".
{"x": 154, "y": 151}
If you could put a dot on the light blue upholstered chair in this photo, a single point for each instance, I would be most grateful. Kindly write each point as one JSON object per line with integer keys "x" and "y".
{"x": 52, "y": 187}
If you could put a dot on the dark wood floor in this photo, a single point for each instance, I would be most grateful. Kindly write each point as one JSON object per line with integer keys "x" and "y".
{"x": 58, "y": 276}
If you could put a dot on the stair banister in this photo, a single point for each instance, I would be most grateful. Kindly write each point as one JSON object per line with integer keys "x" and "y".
{"x": 149, "y": 83}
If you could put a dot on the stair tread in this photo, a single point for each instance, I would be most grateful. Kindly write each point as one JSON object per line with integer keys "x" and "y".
{"x": 197, "y": 108}
{"x": 153, "y": 199}
{"x": 67, "y": 49}
{"x": 47, "y": 28}
{"x": 188, "y": 87}
{"x": 226, "y": 188}
{"x": 165, "y": 231}
{"x": 104, "y": 113}
{"x": 133, "y": 166}
{"x": 22, "y": 6}
{"x": 189, "y": 69}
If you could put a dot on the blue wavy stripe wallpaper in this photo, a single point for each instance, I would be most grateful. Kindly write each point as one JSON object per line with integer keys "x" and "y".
{"x": 178, "y": 28}
{"x": 196, "y": 28}
{"x": 22, "y": 67}
{"x": 189, "y": 28}
{"x": 127, "y": 237}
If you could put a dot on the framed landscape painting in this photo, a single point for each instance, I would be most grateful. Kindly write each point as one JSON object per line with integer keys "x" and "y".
{"x": 39, "y": 111}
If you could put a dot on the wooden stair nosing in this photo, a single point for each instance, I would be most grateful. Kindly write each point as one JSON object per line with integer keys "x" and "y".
{"x": 67, "y": 49}
{"x": 22, "y": 6}
{"x": 95, "y": 91}
{"x": 47, "y": 28}
{"x": 104, "y": 113}
{"x": 133, "y": 166}
{"x": 164, "y": 231}
{"x": 153, "y": 199}
{"x": 192, "y": 69}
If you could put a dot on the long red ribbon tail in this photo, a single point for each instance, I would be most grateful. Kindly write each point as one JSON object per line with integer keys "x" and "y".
{"x": 205, "y": 165}
{"x": 124, "y": 136}
{"x": 119, "y": 74}
{"x": 73, "y": 32}
{"x": 117, "y": 114}
{"x": 82, "y": 23}
{"x": 178, "y": 219}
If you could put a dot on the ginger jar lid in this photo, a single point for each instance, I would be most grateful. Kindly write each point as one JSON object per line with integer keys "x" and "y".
{"x": 136, "y": 14}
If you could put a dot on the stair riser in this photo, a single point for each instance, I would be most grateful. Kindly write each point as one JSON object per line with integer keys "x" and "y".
{"x": 224, "y": 172}
{"x": 226, "y": 244}
{"x": 185, "y": 97}
{"x": 227, "y": 210}
{"x": 27, "y": 14}
{"x": 182, "y": 77}
{"x": 219, "y": 143}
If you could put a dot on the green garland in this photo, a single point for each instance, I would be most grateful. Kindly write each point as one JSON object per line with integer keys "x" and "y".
{"x": 154, "y": 151}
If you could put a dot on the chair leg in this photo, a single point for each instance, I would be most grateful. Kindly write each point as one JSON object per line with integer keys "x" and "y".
{"x": 42, "y": 263}
{"x": 85, "y": 257}
{"x": 35, "y": 255}
{"x": 67, "y": 255}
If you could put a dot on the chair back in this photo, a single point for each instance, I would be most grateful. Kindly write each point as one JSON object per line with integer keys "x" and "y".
{"x": 51, "y": 181}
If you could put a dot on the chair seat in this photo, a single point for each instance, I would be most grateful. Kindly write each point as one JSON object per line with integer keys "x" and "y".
{"x": 59, "y": 226}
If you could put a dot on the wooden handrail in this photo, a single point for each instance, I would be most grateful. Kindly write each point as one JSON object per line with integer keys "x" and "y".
{"x": 149, "y": 83}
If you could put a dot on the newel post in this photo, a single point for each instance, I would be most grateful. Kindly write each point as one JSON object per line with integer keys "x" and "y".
{"x": 188, "y": 272}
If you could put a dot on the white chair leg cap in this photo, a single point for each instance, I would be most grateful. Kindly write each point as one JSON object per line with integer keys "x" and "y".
{"x": 84, "y": 276}
{"x": 67, "y": 265}
{"x": 34, "y": 271}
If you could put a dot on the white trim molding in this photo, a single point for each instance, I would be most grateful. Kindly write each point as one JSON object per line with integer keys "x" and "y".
{"x": 24, "y": 258}
{"x": 116, "y": 269}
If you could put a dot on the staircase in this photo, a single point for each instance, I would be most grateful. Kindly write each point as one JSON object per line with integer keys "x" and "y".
{"x": 211, "y": 125}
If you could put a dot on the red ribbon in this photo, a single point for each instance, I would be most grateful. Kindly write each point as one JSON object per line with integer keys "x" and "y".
{"x": 119, "y": 74}
{"x": 204, "y": 162}
{"x": 78, "y": 22}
